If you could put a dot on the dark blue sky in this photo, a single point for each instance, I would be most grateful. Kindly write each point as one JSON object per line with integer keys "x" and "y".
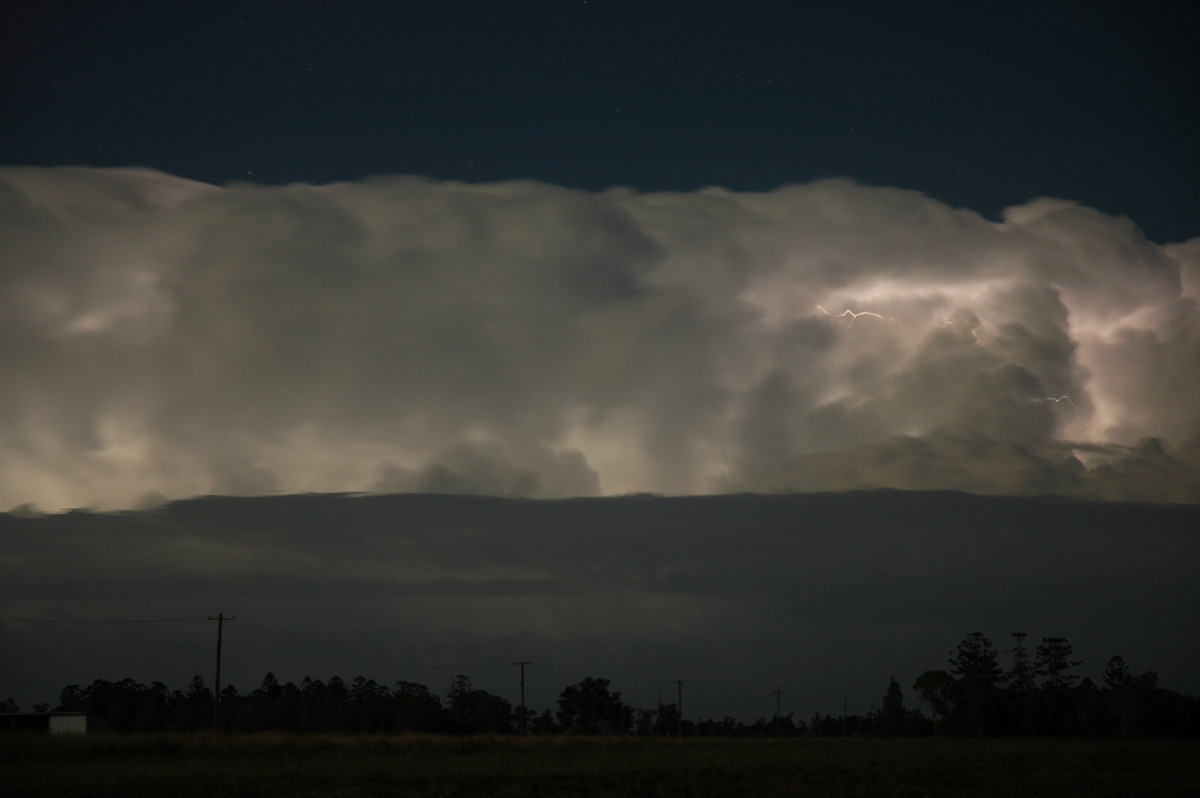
{"x": 979, "y": 105}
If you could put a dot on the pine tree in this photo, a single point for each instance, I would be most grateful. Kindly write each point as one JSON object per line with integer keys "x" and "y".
{"x": 975, "y": 663}
{"x": 1020, "y": 674}
{"x": 1053, "y": 662}
{"x": 1116, "y": 672}
{"x": 892, "y": 715}
{"x": 976, "y": 705}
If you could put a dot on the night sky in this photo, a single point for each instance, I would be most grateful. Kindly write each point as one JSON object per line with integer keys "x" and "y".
{"x": 978, "y": 105}
{"x": 553, "y": 252}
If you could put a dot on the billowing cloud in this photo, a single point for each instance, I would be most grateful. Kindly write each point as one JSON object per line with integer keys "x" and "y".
{"x": 164, "y": 337}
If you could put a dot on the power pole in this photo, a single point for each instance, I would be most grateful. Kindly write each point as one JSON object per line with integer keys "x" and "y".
{"x": 220, "y": 619}
{"x": 778, "y": 717}
{"x": 679, "y": 694}
{"x": 522, "y": 663}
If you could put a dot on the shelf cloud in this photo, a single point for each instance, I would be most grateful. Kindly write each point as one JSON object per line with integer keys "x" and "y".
{"x": 163, "y": 338}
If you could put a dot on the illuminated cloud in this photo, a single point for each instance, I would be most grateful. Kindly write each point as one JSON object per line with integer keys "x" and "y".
{"x": 160, "y": 336}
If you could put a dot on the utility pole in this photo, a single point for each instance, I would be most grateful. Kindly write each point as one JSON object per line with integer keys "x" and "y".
{"x": 679, "y": 693}
{"x": 778, "y": 717}
{"x": 522, "y": 663}
{"x": 220, "y": 619}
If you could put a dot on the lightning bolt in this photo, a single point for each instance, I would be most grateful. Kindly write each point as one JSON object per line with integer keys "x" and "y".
{"x": 1061, "y": 399}
{"x": 853, "y": 316}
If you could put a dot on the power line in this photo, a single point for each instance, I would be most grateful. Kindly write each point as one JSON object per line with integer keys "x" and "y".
{"x": 458, "y": 668}
{"x": 289, "y": 637}
{"x": 123, "y": 620}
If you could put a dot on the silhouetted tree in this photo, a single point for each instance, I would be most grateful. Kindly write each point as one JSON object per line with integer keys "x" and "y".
{"x": 262, "y": 710}
{"x": 198, "y": 693}
{"x": 974, "y": 662}
{"x": 490, "y": 714}
{"x": 934, "y": 688}
{"x": 1020, "y": 673}
{"x": 474, "y": 711}
{"x": 892, "y": 719}
{"x": 417, "y": 709}
{"x": 1116, "y": 673}
{"x": 71, "y": 699}
{"x": 1053, "y": 661}
{"x": 231, "y": 699}
{"x": 544, "y": 723}
{"x": 825, "y": 725}
{"x": 334, "y": 707}
{"x": 589, "y": 708}
{"x": 1091, "y": 717}
{"x": 667, "y": 722}
{"x": 458, "y": 703}
{"x": 522, "y": 719}
{"x": 369, "y": 710}
{"x": 644, "y": 722}
{"x": 192, "y": 709}
{"x": 116, "y": 700}
{"x": 975, "y": 703}
{"x": 1021, "y": 701}
{"x": 153, "y": 708}
{"x": 729, "y": 727}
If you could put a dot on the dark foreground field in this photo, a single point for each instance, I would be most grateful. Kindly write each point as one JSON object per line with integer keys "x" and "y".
{"x": 202, "y": 765}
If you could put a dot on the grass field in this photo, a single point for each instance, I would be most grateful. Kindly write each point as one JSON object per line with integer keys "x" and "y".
{"x": 283, "y": 765}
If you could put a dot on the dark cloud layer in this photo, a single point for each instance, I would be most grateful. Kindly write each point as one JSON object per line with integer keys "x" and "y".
{"x": 162, "y": 337}
{"x": 828, "y": 595}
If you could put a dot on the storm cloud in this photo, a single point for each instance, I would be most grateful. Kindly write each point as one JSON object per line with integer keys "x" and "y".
{"x": 161, "y": 337}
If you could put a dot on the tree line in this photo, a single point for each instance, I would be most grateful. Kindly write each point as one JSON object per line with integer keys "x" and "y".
{"x": 1035, "y": 696}
{"x": 1042, "y": 696}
